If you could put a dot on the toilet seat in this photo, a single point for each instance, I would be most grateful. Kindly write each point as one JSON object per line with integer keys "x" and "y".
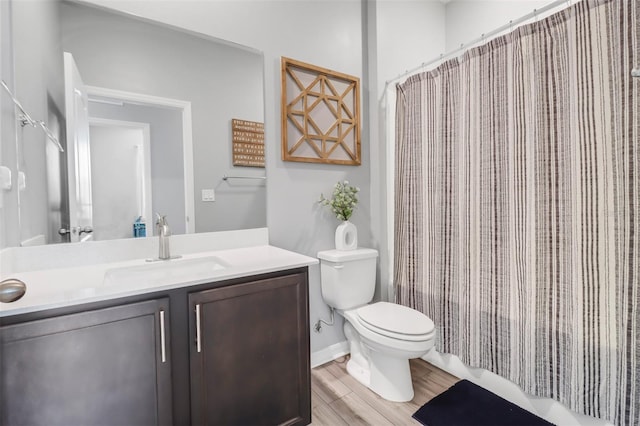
{"x": 396, "y": 321}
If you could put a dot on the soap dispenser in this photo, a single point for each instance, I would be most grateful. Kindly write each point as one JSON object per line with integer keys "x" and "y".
{"x": 139, "y": 227}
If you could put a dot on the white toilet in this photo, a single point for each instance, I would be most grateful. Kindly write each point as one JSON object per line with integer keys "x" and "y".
{"x": 382, "y": 336}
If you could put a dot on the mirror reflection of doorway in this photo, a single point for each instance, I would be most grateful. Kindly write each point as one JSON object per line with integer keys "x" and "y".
{"x": 142, "y": 163}
{"x": 169, "y": 156}
{"x": 121, "y": 177}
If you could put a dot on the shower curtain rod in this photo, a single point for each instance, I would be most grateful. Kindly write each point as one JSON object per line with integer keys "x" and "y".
{"x": 482, "y": 38}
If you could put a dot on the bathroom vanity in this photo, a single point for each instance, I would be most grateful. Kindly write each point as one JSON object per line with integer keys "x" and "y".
{"x": 229, "y": 346}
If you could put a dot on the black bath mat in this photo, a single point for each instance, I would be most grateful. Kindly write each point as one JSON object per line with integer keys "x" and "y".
{"x": 466, "y": 404}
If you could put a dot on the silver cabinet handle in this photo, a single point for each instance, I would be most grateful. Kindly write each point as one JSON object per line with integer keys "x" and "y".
{"x": 163, "y": 350}
{"x": 198, "y": 345}
{"x": 85, "y": 230}
{"x": 76, "y": 230}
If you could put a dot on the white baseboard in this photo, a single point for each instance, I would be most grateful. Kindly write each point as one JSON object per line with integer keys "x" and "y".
{"x": 330, "y": 353}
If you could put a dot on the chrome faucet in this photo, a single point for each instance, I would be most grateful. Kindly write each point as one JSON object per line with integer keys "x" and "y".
{"x": 164, "y": 233}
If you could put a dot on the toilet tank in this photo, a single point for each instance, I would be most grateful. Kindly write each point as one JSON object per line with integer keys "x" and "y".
{"x": 348, "y": 277}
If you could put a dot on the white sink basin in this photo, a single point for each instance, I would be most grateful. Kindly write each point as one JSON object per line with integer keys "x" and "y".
{"x": 165, "y": 271}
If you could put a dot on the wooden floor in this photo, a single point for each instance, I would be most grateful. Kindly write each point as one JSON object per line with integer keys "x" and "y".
{"x": 339, "y": 399}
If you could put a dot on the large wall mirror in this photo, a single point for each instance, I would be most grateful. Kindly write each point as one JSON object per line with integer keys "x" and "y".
{"x": 143, "y": 113}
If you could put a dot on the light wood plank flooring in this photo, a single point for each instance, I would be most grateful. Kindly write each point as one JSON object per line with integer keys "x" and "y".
{"x": 339, "y": 399}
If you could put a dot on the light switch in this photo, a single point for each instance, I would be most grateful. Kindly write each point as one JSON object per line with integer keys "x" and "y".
{"x": 5, "y": 178}
{"x": 208, "y": 195}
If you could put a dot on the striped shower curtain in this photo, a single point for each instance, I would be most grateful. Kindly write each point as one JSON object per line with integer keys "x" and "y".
{"x": 517, "y": 206}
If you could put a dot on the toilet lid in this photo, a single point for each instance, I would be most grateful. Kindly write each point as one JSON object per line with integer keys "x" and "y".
{"x": 395, "y": 319}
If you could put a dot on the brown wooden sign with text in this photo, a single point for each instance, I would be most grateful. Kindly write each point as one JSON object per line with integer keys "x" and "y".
{"x": 248, "y": 143}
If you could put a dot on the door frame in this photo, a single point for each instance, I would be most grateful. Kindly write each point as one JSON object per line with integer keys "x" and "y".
{"x": 187, "y": 138}
{"x": 77, "y": 152}
{"x": 147, "y": 211}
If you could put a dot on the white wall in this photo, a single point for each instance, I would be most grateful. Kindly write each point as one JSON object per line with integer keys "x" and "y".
{"x": 38, "y": 77}
{"x": 409, "y": 32}
{"x": 9, "y": 230}
{"x": 467, "y": 20}
{"x": 402, "y": 35}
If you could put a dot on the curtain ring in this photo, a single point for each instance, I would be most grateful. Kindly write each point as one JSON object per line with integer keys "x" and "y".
{"x": 535, "y": 13}
{"x": 511, "y": 26}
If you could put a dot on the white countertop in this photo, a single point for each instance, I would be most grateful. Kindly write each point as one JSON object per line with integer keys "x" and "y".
{"x": 60, "y": 287}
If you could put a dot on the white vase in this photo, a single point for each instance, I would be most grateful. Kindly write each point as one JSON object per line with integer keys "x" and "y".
{"x": 346, "y": 236}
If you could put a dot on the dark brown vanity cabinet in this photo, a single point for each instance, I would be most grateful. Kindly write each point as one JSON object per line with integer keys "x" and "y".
{"x": 227, "y": 353}
{"x": 249, "y": 356}
{"x": 102, "y": 367}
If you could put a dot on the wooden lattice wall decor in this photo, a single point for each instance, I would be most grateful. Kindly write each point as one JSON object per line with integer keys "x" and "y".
{"x": 320, "y": 115}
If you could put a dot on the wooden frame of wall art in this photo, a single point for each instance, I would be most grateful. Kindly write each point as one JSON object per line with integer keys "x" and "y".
{"x": 320, "y": 115}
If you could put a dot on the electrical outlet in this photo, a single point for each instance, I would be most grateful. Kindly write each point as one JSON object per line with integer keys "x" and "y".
{"x": 208, "y": 195}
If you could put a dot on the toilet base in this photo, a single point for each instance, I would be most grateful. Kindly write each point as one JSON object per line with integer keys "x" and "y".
{"x": 387, "y": 375}
{"x": 390, "y": 377}
{"x": 358, "y": 368}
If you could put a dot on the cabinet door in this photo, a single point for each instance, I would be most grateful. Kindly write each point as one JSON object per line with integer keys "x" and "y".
{"x": 102, "y": 367}
{"x": 250, "y": 353}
